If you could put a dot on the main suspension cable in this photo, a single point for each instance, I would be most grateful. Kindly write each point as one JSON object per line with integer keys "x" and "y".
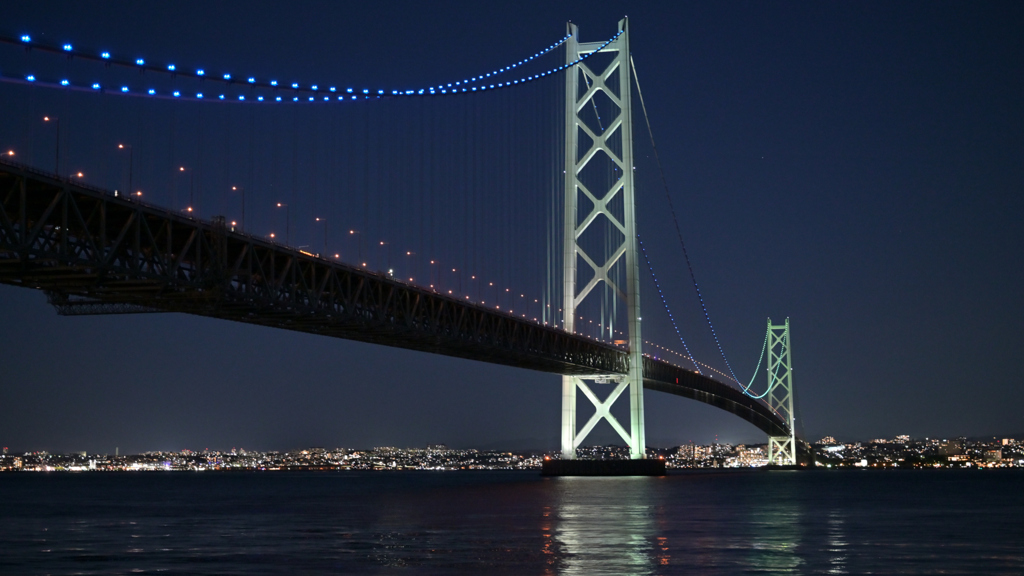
{"x": 663, "y": 301}
{"x": 675, "y": 219}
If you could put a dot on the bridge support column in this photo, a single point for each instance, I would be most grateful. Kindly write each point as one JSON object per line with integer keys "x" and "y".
{"x": 781, "y": 449}
{"x": 616, "y": 275}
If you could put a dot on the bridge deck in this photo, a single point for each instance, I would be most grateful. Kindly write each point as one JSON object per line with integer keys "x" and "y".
{"x": 84, "y": 243}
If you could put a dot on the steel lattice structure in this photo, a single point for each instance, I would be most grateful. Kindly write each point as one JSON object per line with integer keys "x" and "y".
{"x": 93, "y": 252}
{"x": 781, "y": 447}
{"x": 619, "y": 128}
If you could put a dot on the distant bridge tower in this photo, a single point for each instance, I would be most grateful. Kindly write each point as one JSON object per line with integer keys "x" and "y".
{"x": 781, "y": 449}
{"x": 613, "y": 208}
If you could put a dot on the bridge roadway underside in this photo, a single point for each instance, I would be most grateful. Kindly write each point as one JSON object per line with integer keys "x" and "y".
{"x": 86, "y": 246}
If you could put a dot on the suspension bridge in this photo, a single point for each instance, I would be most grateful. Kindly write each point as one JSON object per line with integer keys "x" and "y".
{"x": 94, "y": 250}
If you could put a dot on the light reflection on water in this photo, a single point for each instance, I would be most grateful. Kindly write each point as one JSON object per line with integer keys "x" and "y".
{"x": 836, "y": 543}
{"x": 606, "y": 525}
{"x": 513, "y": 523}
{"x": 774, "y": 530}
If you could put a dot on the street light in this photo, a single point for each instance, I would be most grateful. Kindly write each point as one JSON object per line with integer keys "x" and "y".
{"x": 56, "y": 162}
{"x": 324, "y": 221}
{"x": 191, "y": 186}
{"x": 359, "y": 244}
{"x": 242, "y": 190}
{"x": 410, "y": 267}
{"x": 131, "y": 164}
{"x": 388, "y": 244}
{"x": 287, "y": 223}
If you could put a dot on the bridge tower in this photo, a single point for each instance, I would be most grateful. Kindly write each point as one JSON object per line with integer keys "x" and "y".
{"x": 781, "y": 449}
{"x": 613, "y": 138}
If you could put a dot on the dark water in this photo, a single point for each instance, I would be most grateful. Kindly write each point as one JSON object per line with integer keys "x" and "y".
{"x": 856, "y": 522}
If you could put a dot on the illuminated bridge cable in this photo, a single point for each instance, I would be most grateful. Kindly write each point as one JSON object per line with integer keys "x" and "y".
{"x": 759, "y": 359}
{"x": 293, "y": 91}
{"x": 665, "y": 303}
{"x": 482, "y": 77}
{"x": 675, "y": 219}
{"x": 775, "y": 377}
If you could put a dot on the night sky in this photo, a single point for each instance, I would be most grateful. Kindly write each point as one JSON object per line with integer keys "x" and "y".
{"x": 855, "y": 166}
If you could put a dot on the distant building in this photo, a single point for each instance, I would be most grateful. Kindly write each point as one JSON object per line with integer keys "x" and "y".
{"x": 951, "y": 448}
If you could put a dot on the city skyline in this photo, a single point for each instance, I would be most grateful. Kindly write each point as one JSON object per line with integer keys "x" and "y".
{"x": 827, "y": 453}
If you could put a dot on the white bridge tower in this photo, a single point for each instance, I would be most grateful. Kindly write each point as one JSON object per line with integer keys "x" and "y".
{"x": 612, "y": 208}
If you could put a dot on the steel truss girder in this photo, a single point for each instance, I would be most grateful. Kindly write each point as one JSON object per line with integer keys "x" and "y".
{"x": 781, "y": 447}
{"x": 83, "y": 244}
{"x": 119, "y": 255}
{"x": 633, "y": 380}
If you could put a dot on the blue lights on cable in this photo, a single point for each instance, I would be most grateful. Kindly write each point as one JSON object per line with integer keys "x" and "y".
{"x": 775, "y": 376}
{"x": 457, "y": 87}
{"x": 657, "y": 285}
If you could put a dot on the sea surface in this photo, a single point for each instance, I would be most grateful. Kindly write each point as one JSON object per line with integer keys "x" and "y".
{"x": 779, "y": 522}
